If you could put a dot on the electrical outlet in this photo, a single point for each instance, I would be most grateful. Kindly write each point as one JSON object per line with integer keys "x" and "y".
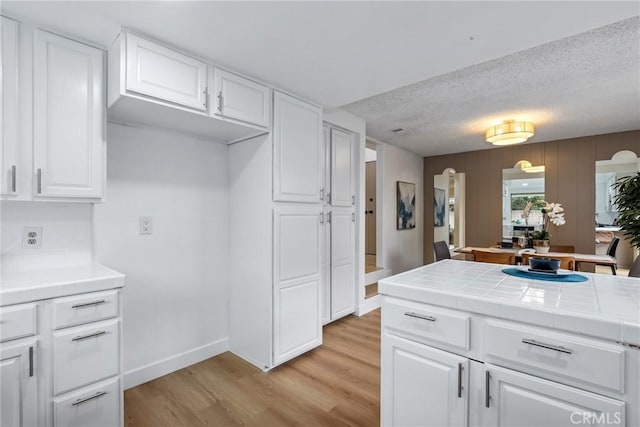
{"x": 146, "y": 225}
{"x": 32, "y": 237}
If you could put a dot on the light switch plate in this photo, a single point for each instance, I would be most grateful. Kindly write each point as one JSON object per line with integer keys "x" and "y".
{"x": 31, "y": 237}
{"x": 146, "y": 225}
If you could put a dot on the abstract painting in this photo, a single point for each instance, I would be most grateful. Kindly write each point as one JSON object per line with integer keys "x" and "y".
{"x": 439, "y": 207}
{"x": 406, "y": 198}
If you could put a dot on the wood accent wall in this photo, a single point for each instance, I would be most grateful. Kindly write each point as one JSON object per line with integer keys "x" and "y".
{"x": 569, "y": 179}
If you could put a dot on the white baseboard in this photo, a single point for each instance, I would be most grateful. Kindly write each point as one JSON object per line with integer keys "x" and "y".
{"x": 368, "y": 305}
{"x": 162, "y": 367}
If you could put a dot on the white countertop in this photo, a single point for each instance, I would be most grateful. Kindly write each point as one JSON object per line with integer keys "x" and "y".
{"x": 37, "y": 285}
{"x": 604, "y": 306}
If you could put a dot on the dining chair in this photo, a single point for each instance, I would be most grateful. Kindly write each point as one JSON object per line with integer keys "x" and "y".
{"x": 441, "y": 250}
{"x": 567, "y": 249}
{"x": 566, "y": 262}
{"x": 494, "y": 257}
{"x": 611, "y": 251}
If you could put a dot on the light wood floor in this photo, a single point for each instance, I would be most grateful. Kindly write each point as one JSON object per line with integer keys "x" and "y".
{"x": 370, "y": 264}
{"x": 337, "y": 384}
{"x": 371, "y": 290}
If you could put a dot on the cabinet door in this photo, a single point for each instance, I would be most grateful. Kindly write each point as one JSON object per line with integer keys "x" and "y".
{"x": 422, "y": 386}
{"x": 341, "y": 168}
{"x": 18, "y": 382}
{"x": 297, "y": 150}
{"x": 516, "y": 399}
{"x": 165, "y": 74}
{"x": 9, "y": 144}
{"x": 342, "y": 262}
{"x": 297, "y": 277}
{"x": 326, "y": 267}
{"x": 69, "y": 147}
{"x": 241, "y": 99}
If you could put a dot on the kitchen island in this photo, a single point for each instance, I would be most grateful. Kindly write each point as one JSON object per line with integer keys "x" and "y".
{"x": 465, "y": 344}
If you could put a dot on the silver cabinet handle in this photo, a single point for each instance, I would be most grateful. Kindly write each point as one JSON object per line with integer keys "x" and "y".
{"x": 329, "y": 197}
{"x": 220, "y": 102}
{"x": 31, "y": 361}
{"x": 487, "y": 395}
{"x": 84, "y": 337}
{"x": 39, "y": 182}
{"x": 13, "y": 178}
{"x": 89, "y": 304}
{"x": 322, "y": 194}
{"x": 86, "y": 399}
{"x": 353, "y": 217}
{"x": 353, "y": 200}
{"x": 321, "y": 218}
{"x": 329, "y": 217}
{"x": 548, "y": 346}
{"x": 460, "y": 379}
{"x": 205, "y": 92}
{"x": 420, "y": 316}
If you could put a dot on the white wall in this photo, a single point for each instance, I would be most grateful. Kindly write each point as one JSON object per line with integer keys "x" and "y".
{"x": 66, "y": 235}
{"x": 402, "y": 248}
{"x": 175, "y": 299}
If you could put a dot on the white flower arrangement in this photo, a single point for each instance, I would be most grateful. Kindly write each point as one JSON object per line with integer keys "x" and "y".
{"x": 553, "y": 213}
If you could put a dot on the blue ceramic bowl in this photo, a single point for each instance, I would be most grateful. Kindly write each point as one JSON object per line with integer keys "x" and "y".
{"x": 547, "y": 264}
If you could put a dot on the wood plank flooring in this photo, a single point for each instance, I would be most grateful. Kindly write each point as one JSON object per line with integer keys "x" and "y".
{"x": 370, "y": 264}
{"x": 337, "y": 384}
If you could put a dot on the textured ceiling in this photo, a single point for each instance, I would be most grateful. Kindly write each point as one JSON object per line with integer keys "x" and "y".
{"x": 587, "y": 84}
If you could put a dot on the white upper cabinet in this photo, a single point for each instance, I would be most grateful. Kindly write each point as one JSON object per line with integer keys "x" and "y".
{"x": 154, "y": 85}
{"x": 68, "y": 118}
{"x": 165, "y": 74}
{"x": 341, "y": 168}
{"x": 9, "y": 142}
{"x": 297, "y": 150}
{"x": 241, "y": 99}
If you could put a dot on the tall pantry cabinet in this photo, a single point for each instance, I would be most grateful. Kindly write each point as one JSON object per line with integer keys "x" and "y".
{"x": 276, "y": 236}
{"x": 291, "y": 196}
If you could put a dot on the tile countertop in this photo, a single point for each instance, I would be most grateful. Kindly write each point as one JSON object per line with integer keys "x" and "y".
{"x": 605, "y": 306}
{"x": 37, "y": 285}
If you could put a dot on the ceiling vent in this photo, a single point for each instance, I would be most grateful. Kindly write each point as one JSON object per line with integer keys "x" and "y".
{"x": 400, "y": 131}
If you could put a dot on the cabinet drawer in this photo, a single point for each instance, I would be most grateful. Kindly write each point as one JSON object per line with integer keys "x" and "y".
{"x": 426, "y": 324}
{"x": 98, "y": 405}
{"x": 17, "y": 321}
{"x": 85, "y": 354}
{"x": 79, "y": 309}
{"x": 555, "y": 354}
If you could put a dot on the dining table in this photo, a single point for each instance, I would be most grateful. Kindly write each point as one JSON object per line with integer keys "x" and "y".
{"x": 580, "y": 258}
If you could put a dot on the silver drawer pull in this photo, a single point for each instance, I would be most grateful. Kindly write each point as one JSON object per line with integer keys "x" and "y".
{"x": 89, "y": 304}
{"x": 86, "y": 399}
{"x": 84, "y": 337}
{"x": 420, "y": 316}
{"x": 460, "y": 380}
{"x": 548, "y": 346}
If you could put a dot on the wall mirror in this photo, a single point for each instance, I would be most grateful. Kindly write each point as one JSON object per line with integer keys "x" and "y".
{"x": 449, "y": 208}
{"x": 621, "y": 164}
{"x": 521, "y": 184}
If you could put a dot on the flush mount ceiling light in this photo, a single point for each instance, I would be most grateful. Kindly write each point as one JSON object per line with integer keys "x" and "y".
{"x": 509, "y": 132}
{"x": 527, "y": 167}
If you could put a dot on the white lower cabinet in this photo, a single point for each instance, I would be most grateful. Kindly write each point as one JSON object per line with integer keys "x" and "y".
{"x": 422, "y": 386}
{"x": 424, "y": 383}
{"x": 18, "y": 384}
{"x": 61, "y": 362}
{"x": 514, "y": 399}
